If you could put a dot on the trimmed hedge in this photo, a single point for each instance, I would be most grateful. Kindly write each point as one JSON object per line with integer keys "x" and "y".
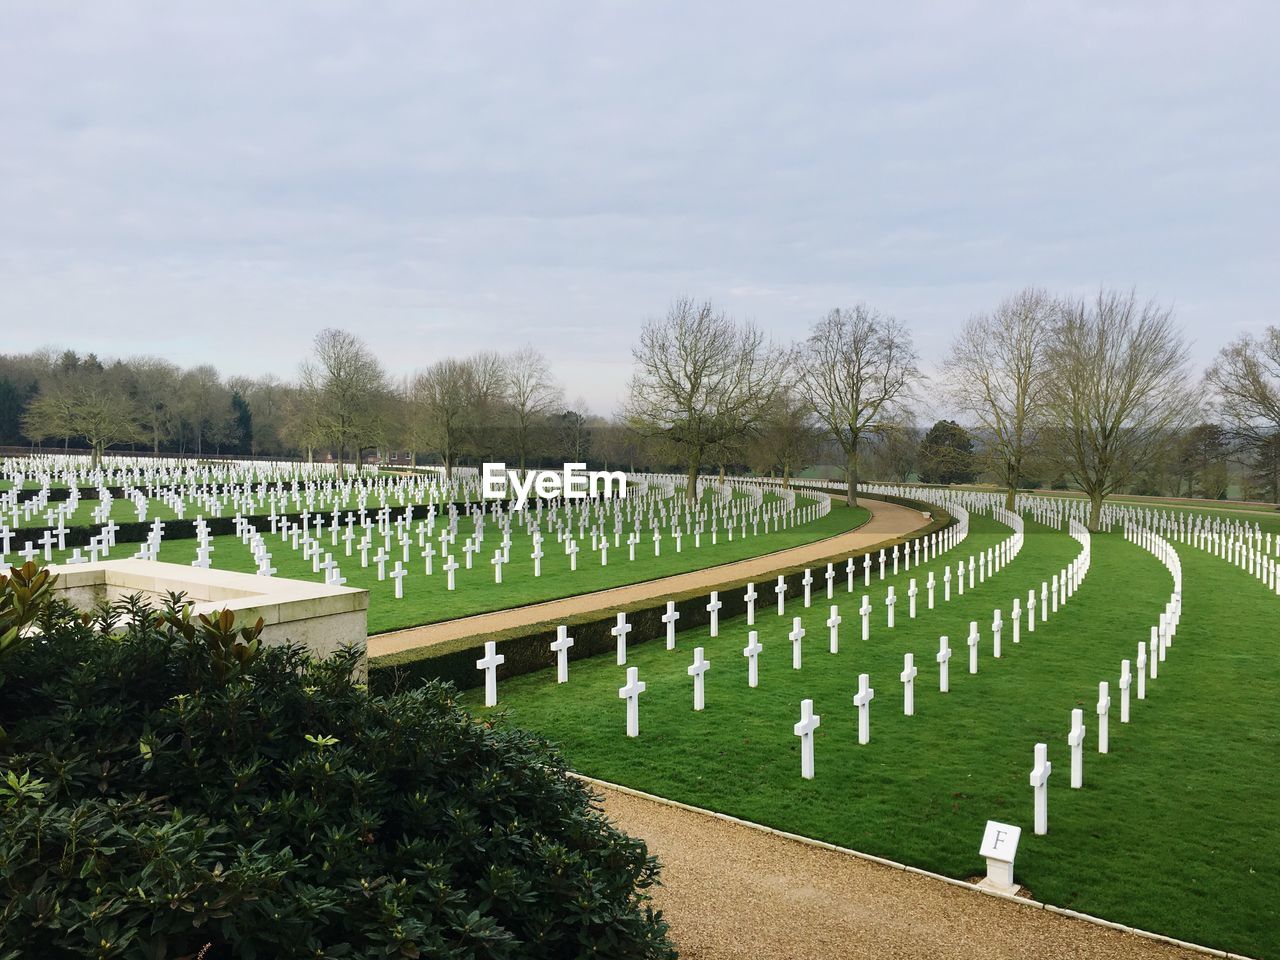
{"x": 137, "y": 531}
{"x": 528, "y": 650}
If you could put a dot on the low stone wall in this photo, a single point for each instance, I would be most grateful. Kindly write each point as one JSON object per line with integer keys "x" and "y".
{"x": 320, "y": 617}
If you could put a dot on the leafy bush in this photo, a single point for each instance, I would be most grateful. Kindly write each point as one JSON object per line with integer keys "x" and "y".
{"x": 170, "y": 788}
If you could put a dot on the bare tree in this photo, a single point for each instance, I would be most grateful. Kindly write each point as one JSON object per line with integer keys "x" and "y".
{"x": 702, "y": 383}
{"x": 788, "y": 436}
{"x": 998, "y": 374}
{"x": 345, "y": 383}
{"x": 1246, "y": 381}
{"x": 450, "y": 400}
{"x": 158, "y": 397}
{"x": 857, "y": 367}
{"x": 1117, "y": 389}
{"x": 91, "y": 407}
{"x": 531, "y": 392}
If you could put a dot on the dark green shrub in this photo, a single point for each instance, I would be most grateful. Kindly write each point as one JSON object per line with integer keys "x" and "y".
{"x": 170, "y": 788}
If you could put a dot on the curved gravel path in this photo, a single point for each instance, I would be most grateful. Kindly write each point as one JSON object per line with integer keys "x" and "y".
{"x": 732, "y": 891}
{"x": 888, "y": 520}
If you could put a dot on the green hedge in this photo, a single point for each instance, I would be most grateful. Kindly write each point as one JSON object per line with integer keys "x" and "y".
{"x": 527, "y": 651}
{"x": 137, "y": 531}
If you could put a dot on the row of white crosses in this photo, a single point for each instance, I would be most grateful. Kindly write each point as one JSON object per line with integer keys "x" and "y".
{"x": 634, "y": 687}
{"x": 1151, "y": 652}
{"x": 1234, "y": 541}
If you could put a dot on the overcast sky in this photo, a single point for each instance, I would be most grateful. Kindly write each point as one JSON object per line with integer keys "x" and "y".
{"x": 216, "y": 181}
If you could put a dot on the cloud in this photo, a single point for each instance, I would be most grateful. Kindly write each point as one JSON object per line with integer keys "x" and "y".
{"x": 218, "y": 182}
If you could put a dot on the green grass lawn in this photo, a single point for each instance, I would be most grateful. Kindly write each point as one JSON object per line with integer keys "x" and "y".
{"x": 1174, "y": 831}
{"x": 426, "y": 600}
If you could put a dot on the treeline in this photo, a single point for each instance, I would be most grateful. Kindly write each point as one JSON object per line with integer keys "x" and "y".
{"x": 1207, "y": 461}
{"x": 342, "y": 405}
{"x": 1093, "y": 394}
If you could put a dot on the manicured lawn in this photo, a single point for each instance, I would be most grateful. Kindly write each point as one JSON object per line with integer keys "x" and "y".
{"x": 1174, "y": 831}
{"x": 426, "y": 600}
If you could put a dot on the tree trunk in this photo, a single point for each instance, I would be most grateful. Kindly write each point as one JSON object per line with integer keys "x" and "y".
{"x": 691, "y": 488}
{"x": 1095, "y": 511}
{"x": 786, "y": 476}
{"x": 852, "y": 476}
{"x": 1009, "y": 496}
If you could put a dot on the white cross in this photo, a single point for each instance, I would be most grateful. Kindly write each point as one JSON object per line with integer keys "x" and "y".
{"x": 911, "y": 599}
{"x": 795, "y": 636}
{"x": 831, "y": 581}
{"x": 866, "y": 570}
{"x": 908, "y": 678}
{"x": 848, "y": 569}
{"x": 28, "y": 553}
{"x": 944, "y": 673}
{"x": 630, "y": 692}
{"x": 809, "y": 722}
{"x": 865, "y": 612}
{"x": 1141, "y": 671}
{"x": 620, "y": 632}
{"x": 807, "y": 580}
{"x": 713, "y": 608}
{"x": 929, "y": 585}
{"x": 1031, "y": 610}
{"x": 398, "y": 573}
{"x": 833, "y": 623}
{"x": 889, "y": 602}
{"x": 670, "y": 618}
{"x": 750, "y": 597}
{"x": 381, "y": 558}
{"x": 698, "y": 671}
{"x": 1104, "y": 709}
{"x": 489, "y": 663}
{"x": 751, "y": 651}
{"x": 996, "y": 626}
{"x": 781, "y": 591}
{"x": 497, "y": 562}
{"x": 1040, "y": 785}
{"x": 1016, "y": 617}
{"x": 946, "y": 585}
{"x": 1075, "y": 740}
{"x": 450, "y": 565}
{"x": 1125, "y": 680}
{"x": 561, "y": 645}
{"x": 537, "y": 557}
{"x": 862, "y": 700}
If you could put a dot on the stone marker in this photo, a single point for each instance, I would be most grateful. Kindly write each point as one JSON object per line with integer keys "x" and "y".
{"x": 944, "y": 655}
{"x": 973, "y": 640}
{"x": 999, "y": 846}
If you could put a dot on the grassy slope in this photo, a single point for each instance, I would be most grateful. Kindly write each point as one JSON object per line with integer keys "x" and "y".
{"x": 1174, "y": 830}
{"x": 430, "y": 602}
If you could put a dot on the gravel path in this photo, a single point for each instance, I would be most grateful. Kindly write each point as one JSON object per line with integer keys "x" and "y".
{"x": 730, "y": 891}
{"x": 888, "y": 520}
